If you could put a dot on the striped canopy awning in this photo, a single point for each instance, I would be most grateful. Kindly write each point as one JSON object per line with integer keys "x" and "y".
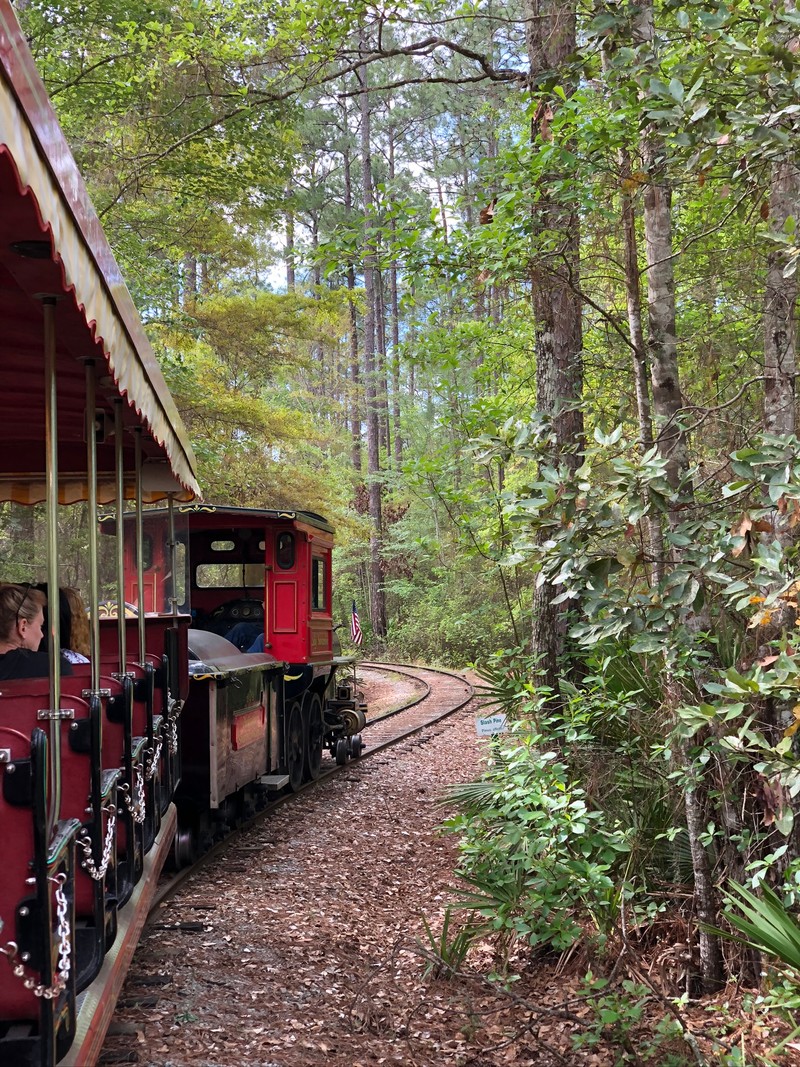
{"x": 52, "y": 246}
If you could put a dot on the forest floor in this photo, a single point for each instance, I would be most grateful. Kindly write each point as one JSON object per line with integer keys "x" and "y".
{"x": 304, "y": 945}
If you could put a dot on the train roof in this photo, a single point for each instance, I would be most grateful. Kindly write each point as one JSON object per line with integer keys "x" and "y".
{"x": 52, "y": 246}
{"x": 199, "y": 515}
{"x": 253, "y": 515}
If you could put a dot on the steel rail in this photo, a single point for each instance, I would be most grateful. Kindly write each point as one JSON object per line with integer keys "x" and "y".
{"x": 168, "y": 888}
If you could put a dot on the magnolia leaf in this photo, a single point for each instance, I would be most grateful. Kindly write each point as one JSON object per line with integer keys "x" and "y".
{"x": 732, "y": 488}
{"x": 784, "y": 821}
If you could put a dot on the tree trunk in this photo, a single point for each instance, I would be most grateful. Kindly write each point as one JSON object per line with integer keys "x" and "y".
{"x": 550, "y": 38}
{"x": 667, "y": 402}
{"x": 355, "y": 367}
{"x": 394, "y": 312}
{"x": 377, "y": 601}
{"x": 712, "y": 966}
{"x": 288, "y": 253}
{"x": 780, "y": 298}
{"x": 381, "y": 367}
{"x": 633, "y": 296}
{"x": 190, "y": 283}
{"x": 355, "y": 377}
{"x": 663, "y": 341}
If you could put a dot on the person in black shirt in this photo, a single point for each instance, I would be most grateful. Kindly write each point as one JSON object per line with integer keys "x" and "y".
{"x": 21, "y": 623}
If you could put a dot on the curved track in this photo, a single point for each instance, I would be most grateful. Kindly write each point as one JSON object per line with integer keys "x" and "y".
{"x": 442, "y": 693}
{"x": 436, "y": 695}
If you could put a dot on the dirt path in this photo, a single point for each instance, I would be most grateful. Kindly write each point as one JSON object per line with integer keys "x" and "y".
{"x": 296, "y": 947}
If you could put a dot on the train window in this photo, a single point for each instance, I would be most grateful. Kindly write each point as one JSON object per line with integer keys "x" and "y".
{"x": 229, "y": 576}
{"x": 180, "y": 577}
{"x": 147, "y": 552}
{"x": 318, "y": 584}
{"x": 284, "y": 551}
{"x": 222, "y": 546}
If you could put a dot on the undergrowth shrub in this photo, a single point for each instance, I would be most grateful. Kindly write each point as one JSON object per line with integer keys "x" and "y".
{"x": 575, "y": 814}
{"x": 536, "y": 860}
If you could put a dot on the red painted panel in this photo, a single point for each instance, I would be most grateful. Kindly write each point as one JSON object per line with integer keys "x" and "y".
{"x": 150, "y": 586}
{"x": 285, "y": 614}
{"x": 248, "y": 728}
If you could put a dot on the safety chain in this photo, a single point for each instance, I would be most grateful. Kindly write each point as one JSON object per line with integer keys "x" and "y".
{"x": 172, "y": 736}
{"x": 151, "y": 766}
{"x": 85, "y": 842}
{"x": 174, "y": 708}
{"x": 136, "y": 805}
{"x": 11, "y": 950}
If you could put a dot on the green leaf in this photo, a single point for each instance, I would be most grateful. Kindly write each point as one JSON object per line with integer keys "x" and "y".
{"x": 676, "y": 90}
{"x": 784, "y": 821}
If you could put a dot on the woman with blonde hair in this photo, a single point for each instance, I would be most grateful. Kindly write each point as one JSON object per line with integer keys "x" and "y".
{"x": 21, "y": 626}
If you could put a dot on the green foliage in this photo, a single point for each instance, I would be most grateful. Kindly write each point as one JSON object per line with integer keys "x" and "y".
{"x": 536, "y": 859}
{"x": 764, "y": 923}
{"x": 446, "y": 621}
{"x": 447, "y": 952}
{"x": 615, "y": 1013}
{"x": 228, "y": 365}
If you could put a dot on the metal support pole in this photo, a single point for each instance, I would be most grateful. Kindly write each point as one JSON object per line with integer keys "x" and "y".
{"x": 51, "y": 507}
{"x": 173, "y": 556}
{"x": 94, "y": 568}
{"x": 137, "y": 437}
{"x": 120, "y": 555}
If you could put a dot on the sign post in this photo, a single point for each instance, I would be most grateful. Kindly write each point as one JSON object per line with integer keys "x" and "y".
{"x": 491, "y": 725}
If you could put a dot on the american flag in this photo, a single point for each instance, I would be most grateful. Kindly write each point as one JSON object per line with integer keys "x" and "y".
{"x": 355, "y": 627}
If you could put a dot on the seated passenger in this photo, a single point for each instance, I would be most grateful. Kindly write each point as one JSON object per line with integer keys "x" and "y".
{"x": 258, "y": 644}
{"x": 74, "y": 625}
{"x": 242, "y": 634}
{"x": 21, "y": 624}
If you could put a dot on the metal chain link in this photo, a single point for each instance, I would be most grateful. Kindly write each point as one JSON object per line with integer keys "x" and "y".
{"x": 85, "y": 843}
{"x": 155, "y": 755}
{"x": 11, "y": 949}
{"x": 174, "y": 708}
{"x": 135, "y": 806}
{"x": 172, "y": 736}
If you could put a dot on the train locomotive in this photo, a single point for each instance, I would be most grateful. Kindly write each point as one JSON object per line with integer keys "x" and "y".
{"x": 173, "y": 731}
{"x": 269, "y": 692}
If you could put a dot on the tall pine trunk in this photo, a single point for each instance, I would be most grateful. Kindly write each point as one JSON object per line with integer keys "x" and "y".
{"x": 355, "y": 365}
{"x": 288, "y": 252}
{"x": 377, "y": 599}
{"x": 633, "y": 298}
{"x": 394, "y": 314}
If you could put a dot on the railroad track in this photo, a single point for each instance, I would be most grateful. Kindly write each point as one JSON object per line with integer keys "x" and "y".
{"x": 437, "y": 694}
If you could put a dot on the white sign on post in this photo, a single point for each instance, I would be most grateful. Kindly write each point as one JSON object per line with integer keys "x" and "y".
{"x": 489, "y": 725}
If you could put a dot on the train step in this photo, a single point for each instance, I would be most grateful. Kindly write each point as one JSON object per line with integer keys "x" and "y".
{"x": 273, "y": 781}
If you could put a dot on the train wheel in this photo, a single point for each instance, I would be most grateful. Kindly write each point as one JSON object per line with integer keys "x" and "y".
{"x": 356, "y": 746}
{"x": 184, "y": 847}
{"x": 341, "y": 751}
{"x": 295, "y": 748}
{"x": 314, "y": 737}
